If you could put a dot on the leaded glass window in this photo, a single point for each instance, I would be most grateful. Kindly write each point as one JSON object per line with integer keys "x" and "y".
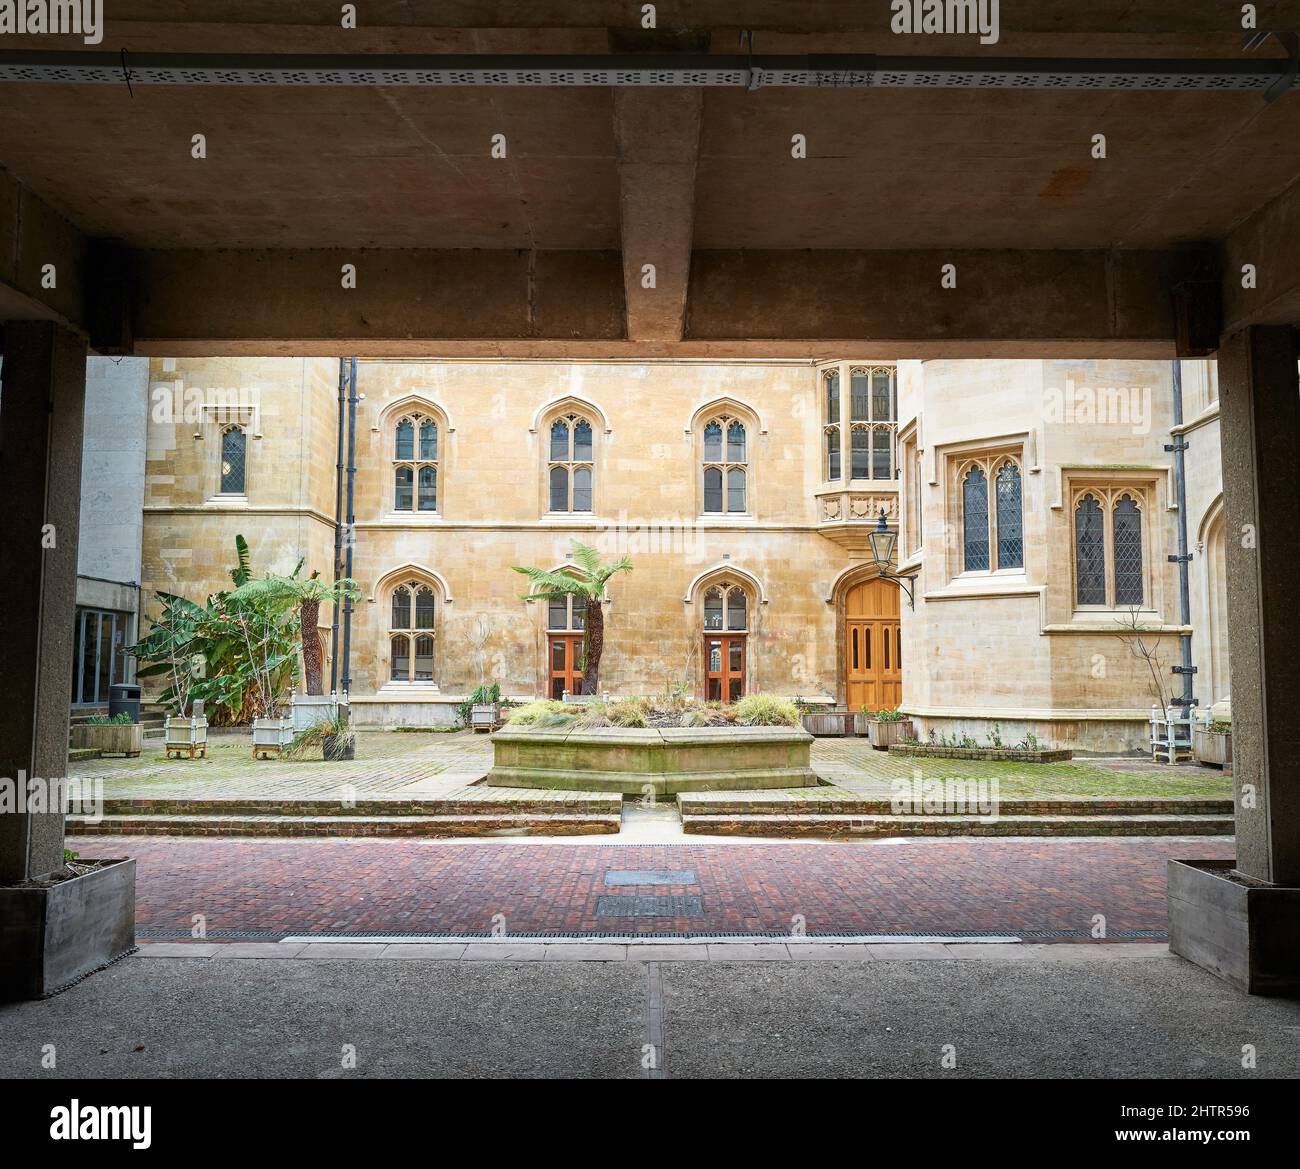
{"x": 1127, "y": 521}
{"x": 1089, "y": 552}
{"x": 233, "y": 447}
{"x": 1010, "y": 517}
{"x": 975, "y": 521}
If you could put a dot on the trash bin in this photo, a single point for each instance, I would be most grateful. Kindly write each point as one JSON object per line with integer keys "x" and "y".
{"x": 124, "y": 697}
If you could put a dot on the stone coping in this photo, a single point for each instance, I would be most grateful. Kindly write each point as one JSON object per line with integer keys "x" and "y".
{"x": 648, "y": 736}
{"x": 738, "y": 949}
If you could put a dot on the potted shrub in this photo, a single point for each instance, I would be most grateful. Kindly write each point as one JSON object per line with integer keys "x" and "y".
{"x": 485, "y": 707}
{"x": 889, "y": 727}
{"x": 110, "y": 735}
{"x": 335, "y": 737}
{"x": 1212, "y": 740}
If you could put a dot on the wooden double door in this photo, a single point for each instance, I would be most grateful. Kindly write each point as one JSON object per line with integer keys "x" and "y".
{"x": 724, "y": 667}
{"x": 873, "y": 647}
{"x": 565, "y": 664}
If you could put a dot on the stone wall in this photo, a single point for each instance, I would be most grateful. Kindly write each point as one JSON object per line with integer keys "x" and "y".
{"x": 1005, "y": 645}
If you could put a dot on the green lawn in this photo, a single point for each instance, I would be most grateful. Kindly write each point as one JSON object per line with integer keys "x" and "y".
{"x": 877, "y": 771}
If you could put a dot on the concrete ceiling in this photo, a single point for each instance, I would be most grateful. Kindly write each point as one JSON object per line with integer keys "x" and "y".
{"x": 888, "y": 170}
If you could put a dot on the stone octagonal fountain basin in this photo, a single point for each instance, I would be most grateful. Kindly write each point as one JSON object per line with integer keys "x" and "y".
{"x": 662, "y": 760}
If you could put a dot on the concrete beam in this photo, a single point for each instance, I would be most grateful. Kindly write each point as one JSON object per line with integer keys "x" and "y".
{"x": 998, "y": 296}
{"x": 658, "y": 135}
{"x": 296, "y": 296}
{"x": 32, "y": 236}
{"x": 571, "y": 304}
{"x": 1269, "y": 241}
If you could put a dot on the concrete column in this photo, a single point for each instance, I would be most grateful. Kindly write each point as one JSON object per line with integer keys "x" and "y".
{"x": 1248, "y": 931}
{"x": 42, "y": 398}
{"x": 1259, "y": 403}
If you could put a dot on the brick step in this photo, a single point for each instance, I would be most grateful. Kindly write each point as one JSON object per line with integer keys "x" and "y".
{"x": 529, "y": 803}
{"x": 825, "y": 824}
{"x": 77, "y": 753}
{"x": 819, "y": 801}
{"x": 530, "y": 824}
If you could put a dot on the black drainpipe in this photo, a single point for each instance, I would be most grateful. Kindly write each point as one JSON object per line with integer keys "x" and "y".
{"x": 338, "y": 529}
{"x": 351, "y": 520}
{"x": 1178, "y": 447}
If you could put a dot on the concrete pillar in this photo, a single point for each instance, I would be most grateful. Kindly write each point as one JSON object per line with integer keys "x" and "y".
{"x": 43, "y": 382}
{"x": 1248, "y": 931}
{"x": 1259, "y": 404}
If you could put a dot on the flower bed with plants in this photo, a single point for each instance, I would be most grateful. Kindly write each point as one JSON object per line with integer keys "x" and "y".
{"x": 1028, "y": 750}
{"x": 662, "y": 746}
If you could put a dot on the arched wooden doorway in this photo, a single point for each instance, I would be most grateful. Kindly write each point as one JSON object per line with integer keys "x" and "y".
{"x": 873, "y": 650}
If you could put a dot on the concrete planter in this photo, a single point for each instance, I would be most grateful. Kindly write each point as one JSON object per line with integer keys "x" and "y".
{"x": 664, "y": 760}
{"x": 50, "y": 937}
{"x": 109, "y": 738}
{"x": 885, "y": 734}
{"x": 271, "y": 736}
{"x": 1010, "y": 754}
{"x": 185, "y": 736}
{"x": 1213, "y": 747}
{"x": 1245, "y": 932}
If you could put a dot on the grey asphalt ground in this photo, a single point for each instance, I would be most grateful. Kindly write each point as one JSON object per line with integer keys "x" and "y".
{"x": 284, "y": 1018}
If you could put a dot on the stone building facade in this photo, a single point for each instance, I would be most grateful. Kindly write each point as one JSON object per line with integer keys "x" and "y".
{"x": 744, "y": 493}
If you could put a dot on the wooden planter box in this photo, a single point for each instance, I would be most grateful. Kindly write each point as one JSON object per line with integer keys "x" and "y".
{"x": 885, "y": 734}
{"x": 306, "y": 710}
{"x": 185, "y": 736}
{"x": 484, "y": 716}
{"x": 52, "y": 936}
{"x": 1246, "y": 932}
{"x": 110, "y": 738}
{"x": 1009, "y": 754}
{"x": 664, "y": 761}
{"x": 828, "y": 722}
{"x": 271, "y": 736}
{"x": 1212, "y": 747}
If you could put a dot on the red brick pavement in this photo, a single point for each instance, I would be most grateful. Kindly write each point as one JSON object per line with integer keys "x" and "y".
{"x": 324, "y": 886}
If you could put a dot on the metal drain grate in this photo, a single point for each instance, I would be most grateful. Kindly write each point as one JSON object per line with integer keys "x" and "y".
{"x": 672, "y": 906}
{"x": 651, "y": 877}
